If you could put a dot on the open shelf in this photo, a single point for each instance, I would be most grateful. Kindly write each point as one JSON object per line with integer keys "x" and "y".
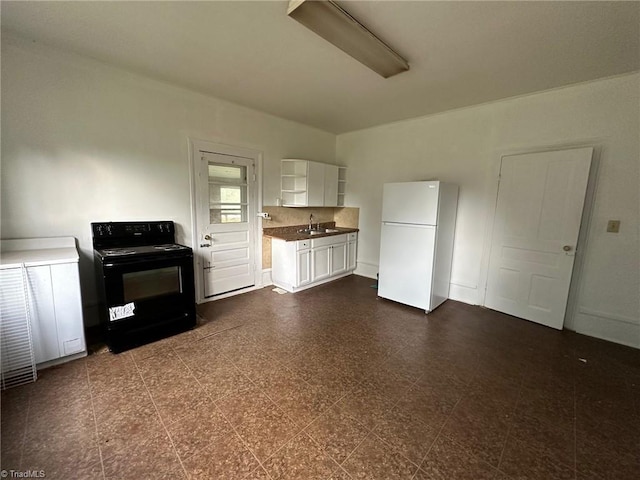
{"x": 305, "y": 183}
{"x": 342, "y": 185}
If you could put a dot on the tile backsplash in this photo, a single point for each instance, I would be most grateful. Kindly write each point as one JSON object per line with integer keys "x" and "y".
{"x": 286, "y": 216}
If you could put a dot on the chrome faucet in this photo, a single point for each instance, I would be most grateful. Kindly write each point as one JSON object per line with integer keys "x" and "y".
{"x": 310, "y": 221}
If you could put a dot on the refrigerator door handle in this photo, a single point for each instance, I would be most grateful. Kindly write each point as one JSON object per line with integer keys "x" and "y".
{"x": 410, "y": 225}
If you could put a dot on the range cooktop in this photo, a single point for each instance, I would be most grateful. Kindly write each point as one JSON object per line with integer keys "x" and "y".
{"x": 142, "y": 250}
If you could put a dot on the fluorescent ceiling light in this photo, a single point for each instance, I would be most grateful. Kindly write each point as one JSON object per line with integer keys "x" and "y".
{"x": 334, "y": 24}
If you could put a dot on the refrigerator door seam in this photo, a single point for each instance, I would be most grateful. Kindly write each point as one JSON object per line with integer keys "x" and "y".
{"x": 417, "y": 225}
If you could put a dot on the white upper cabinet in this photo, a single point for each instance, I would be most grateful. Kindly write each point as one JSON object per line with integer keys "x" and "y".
{"x": 311, "y": 184}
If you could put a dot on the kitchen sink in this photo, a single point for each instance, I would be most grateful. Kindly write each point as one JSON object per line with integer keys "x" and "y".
{"x": 318, "y": 231}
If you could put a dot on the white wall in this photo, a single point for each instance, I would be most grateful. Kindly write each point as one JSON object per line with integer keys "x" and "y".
{"x": 464, "y": 147}
{"x": 84, "y": 142}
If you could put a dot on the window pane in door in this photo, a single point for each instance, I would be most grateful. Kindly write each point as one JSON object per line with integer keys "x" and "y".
{"x": 227, "y": 193}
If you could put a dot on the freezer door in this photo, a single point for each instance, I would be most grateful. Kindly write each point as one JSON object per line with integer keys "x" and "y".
{"x": 410, "y": 202}
{"x": 406, "y": 263}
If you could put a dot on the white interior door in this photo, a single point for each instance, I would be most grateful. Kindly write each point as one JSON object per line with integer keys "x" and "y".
{"x": 227, "y": 223}
{"x": 537, "y": 221}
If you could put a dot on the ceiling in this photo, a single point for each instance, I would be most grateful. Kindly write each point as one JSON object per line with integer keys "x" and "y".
{"x": 251, "y": 53}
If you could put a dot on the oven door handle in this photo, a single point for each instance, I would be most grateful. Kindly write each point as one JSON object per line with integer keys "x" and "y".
{"x": 142, "y": 261}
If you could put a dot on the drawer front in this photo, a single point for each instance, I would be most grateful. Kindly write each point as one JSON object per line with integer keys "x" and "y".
{"x": 324, "y": 241}
{"x": 303, "y": 244}
{"x": 352, "y": 236}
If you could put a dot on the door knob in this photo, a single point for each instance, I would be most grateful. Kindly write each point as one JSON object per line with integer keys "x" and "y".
{"x": 567, "y": 248}
{"x": 207, "y": 237}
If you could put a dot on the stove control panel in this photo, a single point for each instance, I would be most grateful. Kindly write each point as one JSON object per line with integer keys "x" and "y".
{"x": 166, "y": 227}
{"x": 137, "y": 228}
{"x": 117, "y": 234}
{"x": 102, "y": 229}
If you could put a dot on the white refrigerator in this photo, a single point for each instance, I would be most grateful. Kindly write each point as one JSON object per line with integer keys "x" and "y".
{"x": 416, "y": 242}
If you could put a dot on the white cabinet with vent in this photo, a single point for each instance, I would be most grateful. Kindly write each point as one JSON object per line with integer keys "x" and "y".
{"x": 53, "y": 295}
{"x": 311, "y": 184}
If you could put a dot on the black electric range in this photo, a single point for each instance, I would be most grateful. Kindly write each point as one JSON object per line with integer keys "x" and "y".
{"x": 145, "y": 282}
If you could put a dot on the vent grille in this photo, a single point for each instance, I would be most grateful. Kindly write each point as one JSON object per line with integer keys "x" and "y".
{"x": 17, "y": 358}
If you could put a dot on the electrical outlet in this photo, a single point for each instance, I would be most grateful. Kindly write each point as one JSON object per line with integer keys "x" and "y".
{"x": 613, "y": 226}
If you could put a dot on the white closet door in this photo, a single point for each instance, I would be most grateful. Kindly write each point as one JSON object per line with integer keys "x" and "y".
{"x": 538, "y": 214}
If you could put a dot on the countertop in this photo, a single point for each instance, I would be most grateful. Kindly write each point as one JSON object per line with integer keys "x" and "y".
{"x": 291, "y": 234}
{"x": 42, "y": 251}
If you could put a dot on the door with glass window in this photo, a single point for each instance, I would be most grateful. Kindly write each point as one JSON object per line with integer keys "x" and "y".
{"x": 227, "y": 223}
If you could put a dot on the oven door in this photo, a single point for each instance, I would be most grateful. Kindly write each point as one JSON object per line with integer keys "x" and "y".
{"x": 149, "y": 291}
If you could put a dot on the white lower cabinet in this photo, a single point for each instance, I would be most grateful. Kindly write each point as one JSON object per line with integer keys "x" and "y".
{"x": 352, "y": 250}
{"x": 56, "y": 308}
{"x": 321, "y": 261}
{"x": 338, "y": 262}
{"x": 303, "y": 267}
{"x": 305, "y": 263}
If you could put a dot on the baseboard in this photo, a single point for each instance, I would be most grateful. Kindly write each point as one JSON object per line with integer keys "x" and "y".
{"x": 58, "y": 361}
{"x": 369, "y": 270}
{"x": 464, "y": 293}
{"x": 611, "y": 327}
{"x": 292, "y": 289}
{"x": 459, "y": 292}
{"x": 229, "y": 294}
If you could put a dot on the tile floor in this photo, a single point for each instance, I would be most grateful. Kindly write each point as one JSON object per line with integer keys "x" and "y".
{"x": 334, "y": 383}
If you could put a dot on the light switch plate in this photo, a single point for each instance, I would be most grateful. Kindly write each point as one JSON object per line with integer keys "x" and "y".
{"x": 613, "y": 226}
